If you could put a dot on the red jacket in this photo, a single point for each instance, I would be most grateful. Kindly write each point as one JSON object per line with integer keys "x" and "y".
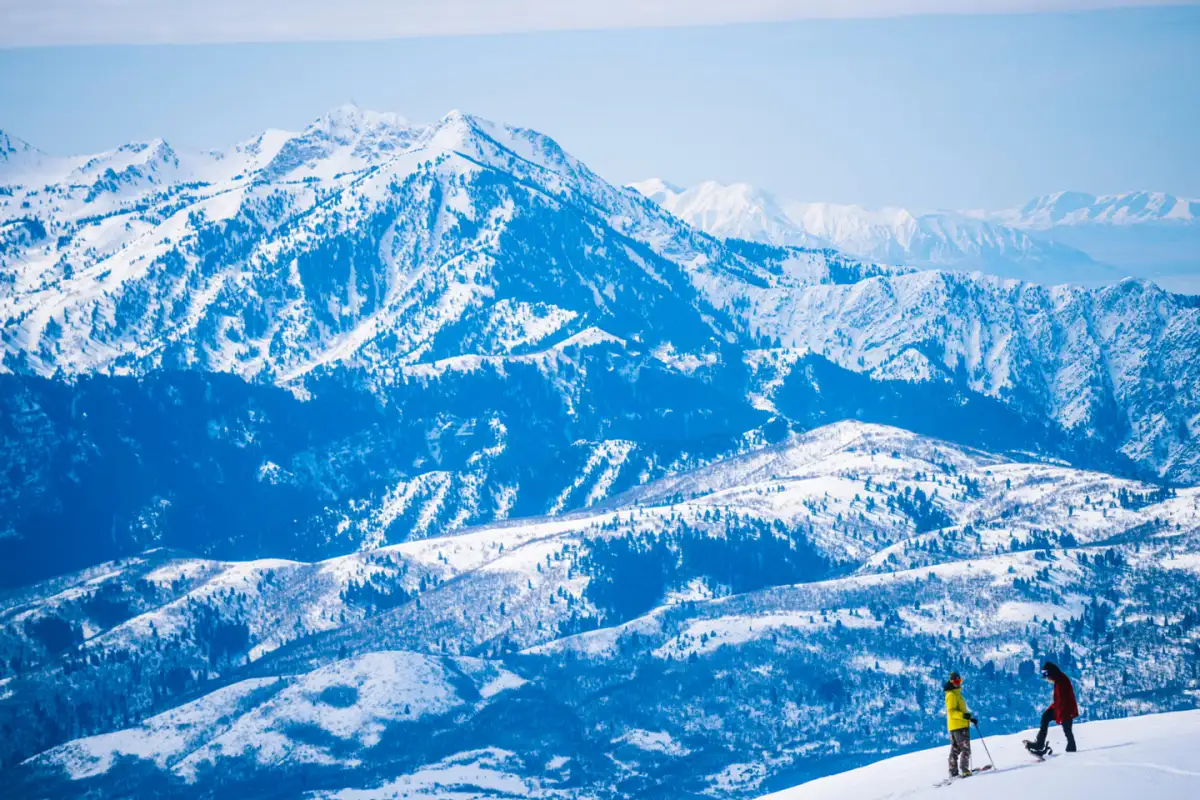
{"x": 1064, "y": 706}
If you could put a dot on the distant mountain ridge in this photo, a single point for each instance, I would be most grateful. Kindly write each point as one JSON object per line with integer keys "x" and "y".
{"x": 1080, "y": 208}
{"x": 1057, "y": 238}
{"x": 1150, "y": 234}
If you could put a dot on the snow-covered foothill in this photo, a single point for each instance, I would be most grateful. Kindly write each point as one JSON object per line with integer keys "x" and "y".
{"x": 272, "y": 720}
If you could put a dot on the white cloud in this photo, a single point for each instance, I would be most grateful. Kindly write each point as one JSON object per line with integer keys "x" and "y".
{"x": 55, "y": 22}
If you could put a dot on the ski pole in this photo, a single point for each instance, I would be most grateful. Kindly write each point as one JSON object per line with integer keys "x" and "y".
{"x": 991, "y": 760}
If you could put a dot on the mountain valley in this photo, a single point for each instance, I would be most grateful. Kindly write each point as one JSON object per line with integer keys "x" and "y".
{"x": 389, "y": 459}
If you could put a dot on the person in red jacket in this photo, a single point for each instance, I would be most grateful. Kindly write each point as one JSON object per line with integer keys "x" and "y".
{"x": 1063, "y": 710}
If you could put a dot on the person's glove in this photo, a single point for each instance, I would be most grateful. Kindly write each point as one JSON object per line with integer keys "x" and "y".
{"x": 971, "y": 717}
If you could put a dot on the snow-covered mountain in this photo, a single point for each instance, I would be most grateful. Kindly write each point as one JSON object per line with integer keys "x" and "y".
{"x": 1150, "y": 234}
{"x": 370, "y": 245}
{"x": 346, "y": 139}
{"x": 1120, "y": 759}
{"x": 518, "y": 337}
{"x": 739, "y": 211}
{"x": 1066, "y": 237}
{"x": 109, "y": 466}
{"x": 938, "y": 240}
{"x": 1021, "y": 342}
{"x": 361, "y": 239}
{"x": 1080, "y": 208}
{"x": 822, "y": 585}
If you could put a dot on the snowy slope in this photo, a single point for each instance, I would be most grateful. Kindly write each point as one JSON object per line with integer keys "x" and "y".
{"x": 1152, "y": 755}
{"x": 351, "y": 701}
{"x": 1070, "y": 351}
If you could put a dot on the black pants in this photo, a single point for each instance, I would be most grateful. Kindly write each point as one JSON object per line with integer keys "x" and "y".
{"x": 1047, "y": 718}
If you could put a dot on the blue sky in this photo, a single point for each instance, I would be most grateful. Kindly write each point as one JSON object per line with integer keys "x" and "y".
{"x": 924, "y": 111}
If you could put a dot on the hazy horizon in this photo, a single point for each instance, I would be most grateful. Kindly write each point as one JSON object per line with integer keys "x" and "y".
{"x": 922, "y": 112}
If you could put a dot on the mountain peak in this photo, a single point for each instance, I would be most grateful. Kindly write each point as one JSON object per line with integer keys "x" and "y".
{"x": 656, "y": 184}
{"x": 344, "y": 139}
{"x": 458, "y": 120}
{"x": 149, "y": 150}
{"x": 732, "y": 211}
{"x": 13, "y": 148}
{"x": 353, "y": 118}
{"x": 656, "y": 190}
{"x": 456, "y": 115}
{"x": 9, "y": 144}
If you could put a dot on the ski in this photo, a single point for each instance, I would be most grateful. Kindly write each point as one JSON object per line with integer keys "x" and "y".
{"x": 951, "y": 780}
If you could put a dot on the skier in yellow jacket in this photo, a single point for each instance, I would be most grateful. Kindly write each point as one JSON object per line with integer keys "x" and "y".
{"x": 958, "y": 721}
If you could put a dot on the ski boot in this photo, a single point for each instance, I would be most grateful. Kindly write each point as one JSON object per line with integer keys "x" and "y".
{"x": 1039, "y": 753}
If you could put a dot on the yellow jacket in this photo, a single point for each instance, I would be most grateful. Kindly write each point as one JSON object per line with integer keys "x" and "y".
{"x": 956, "y": 710}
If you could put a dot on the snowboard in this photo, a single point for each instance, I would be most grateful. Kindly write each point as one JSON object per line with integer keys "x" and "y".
{"x": 1040, "y": 756}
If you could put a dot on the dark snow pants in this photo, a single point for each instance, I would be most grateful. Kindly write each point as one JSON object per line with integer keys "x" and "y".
{"x": 1047, "y": 718}
{"x": 960, "y": 751}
